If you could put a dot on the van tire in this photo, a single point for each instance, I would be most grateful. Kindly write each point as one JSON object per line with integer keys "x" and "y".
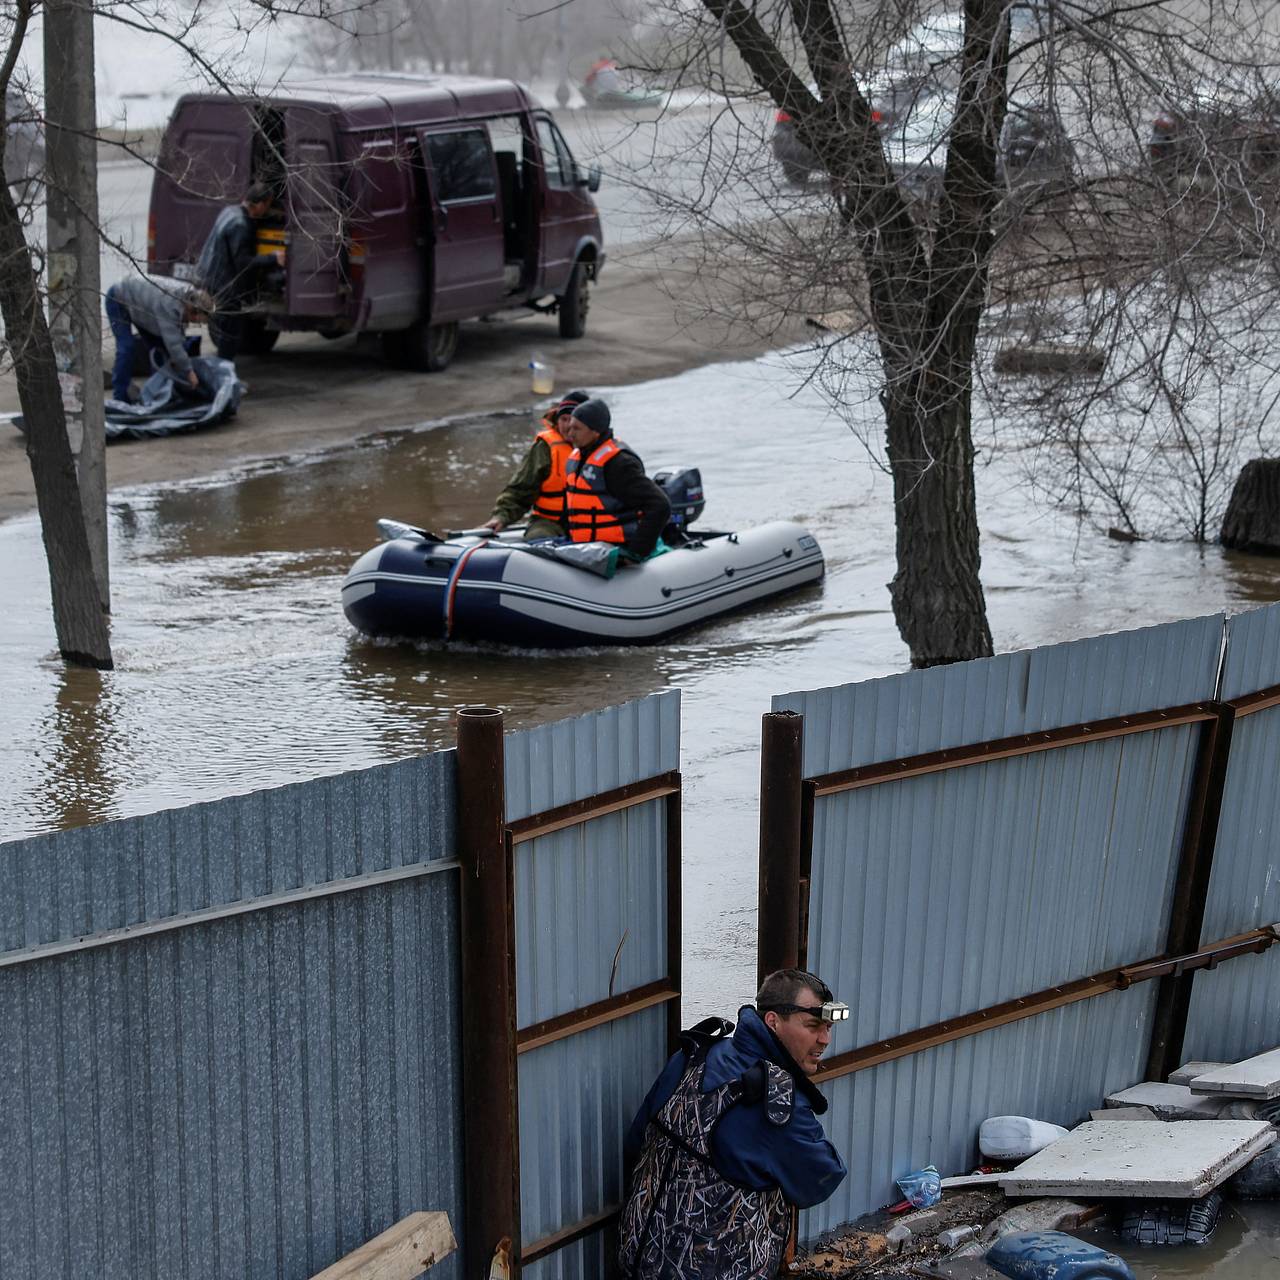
{"x": 429, "y": 348}
{"x": 256, "y": 339}
{"x": 574, "y": 303}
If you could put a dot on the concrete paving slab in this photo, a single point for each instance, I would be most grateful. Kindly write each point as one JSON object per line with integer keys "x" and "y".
{"x": 1186, "y": 1073}
{"x": 1160, "y": 1161}
{"x": 1168, "y": 1101}
{"x": 1125, "y": 1113}
{"x": 1257, "y": 1077}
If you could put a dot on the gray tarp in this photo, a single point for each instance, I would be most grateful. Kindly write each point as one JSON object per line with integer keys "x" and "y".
{"x": 167, "y": 407}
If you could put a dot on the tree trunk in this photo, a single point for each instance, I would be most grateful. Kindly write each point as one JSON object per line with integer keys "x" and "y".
{"x": 938, "y": 602}
{"x": 72, "y": 270}
{"x": 78, "y": 617}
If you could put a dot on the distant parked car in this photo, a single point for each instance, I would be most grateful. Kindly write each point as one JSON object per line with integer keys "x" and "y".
{"x": 1220, "y": 127}
{"x": 1034, "y": 145}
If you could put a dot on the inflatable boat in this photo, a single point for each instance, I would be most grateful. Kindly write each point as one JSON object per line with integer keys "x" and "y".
{"x": 475, "y": 588}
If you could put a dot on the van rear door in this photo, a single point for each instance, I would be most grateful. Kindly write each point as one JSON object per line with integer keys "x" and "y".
{"x": 315, "y": 211}
{"x": 466, "y": 214}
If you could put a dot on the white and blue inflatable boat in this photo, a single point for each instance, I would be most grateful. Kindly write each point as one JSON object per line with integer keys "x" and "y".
{"x": 468, "y": 587}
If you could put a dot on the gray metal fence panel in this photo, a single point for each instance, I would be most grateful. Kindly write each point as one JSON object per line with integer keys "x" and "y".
{"x": 586, "y": 897}
{"x": 253, "y": 1096}
{"x": 583, "y": 896}
{"x": 583, "y": 1092}
{"x": 944, "y": 894}
{"x": 1234, "y": 1007}
{"x": 959, "y": 890}
{"x": 926, "y": 1108}
{"x": 67, "y": 884}
{"x": 1014, "y": 693}
{"x": 235, "y": 1065}
{"x": 555, "y": 764}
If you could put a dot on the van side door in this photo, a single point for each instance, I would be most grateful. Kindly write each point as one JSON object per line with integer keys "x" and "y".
{"x": 568, "y": 212}
{"x": 315, "y": 212}
{"x": 465, "y": 214}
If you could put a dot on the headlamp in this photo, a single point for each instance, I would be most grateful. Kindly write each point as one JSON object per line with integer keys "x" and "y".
{"x": 829, "y": 1011}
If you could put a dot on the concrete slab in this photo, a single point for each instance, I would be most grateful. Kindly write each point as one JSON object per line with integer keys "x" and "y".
{"x": 1257, "y": 1077}
{"x": 1168, "y": 1101}
{"x": 1186, "y": 1073}
{"x": 1160, "y": 1161}
{"x": 1125, "y": 1113}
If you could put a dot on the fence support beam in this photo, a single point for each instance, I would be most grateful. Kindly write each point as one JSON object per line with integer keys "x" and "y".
{"x": 781, "y": 792}
{"x": 1190, "y": 890}
{"x": 489, "y": 1081}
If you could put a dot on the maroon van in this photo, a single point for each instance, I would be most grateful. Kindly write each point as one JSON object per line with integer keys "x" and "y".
{"x": 404, "y": 204}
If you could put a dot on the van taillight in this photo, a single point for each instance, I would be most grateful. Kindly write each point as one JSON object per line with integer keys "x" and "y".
{"x": 877, "y": 117}
{"x": 783, "y": 118}
{"x": 151, "y": 242}
{"x": 1164, "y": 123}
{"x": 356, "y": 254}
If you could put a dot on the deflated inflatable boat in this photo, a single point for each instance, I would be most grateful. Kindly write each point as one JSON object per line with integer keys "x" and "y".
{"x": 502, "y": 589}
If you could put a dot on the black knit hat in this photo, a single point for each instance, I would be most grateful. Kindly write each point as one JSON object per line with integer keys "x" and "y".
{"x": 594, "y": 414}
{"x": 568, "y": 400}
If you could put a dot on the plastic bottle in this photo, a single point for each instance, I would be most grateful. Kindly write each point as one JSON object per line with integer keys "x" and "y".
{"x": 543, "y": 375}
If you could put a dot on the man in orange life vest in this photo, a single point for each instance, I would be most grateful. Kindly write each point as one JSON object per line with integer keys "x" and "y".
{"x": 608, "y": 497}
{"x": 538, "y": 486}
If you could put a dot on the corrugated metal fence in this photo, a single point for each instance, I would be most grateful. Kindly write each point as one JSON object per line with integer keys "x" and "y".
{"x": 993, "y": 858}
{"x": 230, "y": 1032}
{"x": 243, "y": 1038}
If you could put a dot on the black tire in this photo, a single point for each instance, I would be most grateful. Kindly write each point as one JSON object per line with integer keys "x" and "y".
{"x": 574, "y": 303}
{"x": 256, "y": 339}
{"x": 429, "y": 348}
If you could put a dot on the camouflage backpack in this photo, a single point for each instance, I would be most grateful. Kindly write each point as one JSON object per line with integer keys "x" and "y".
{"x": 684, "y": 1220}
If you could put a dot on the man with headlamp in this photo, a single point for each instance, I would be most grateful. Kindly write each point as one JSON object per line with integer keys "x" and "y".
{"x": 728, "y": 1141}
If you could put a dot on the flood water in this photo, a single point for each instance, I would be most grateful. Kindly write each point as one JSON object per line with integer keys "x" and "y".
{"x": 237, "y": 670}
{"x": 1245, "y": 1246}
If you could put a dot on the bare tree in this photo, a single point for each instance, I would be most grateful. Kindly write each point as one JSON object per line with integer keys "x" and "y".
{"x": 81, "y": 601}
{"x": 1101, "y": 173}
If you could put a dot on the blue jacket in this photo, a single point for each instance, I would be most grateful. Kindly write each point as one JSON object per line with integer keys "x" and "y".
{"x": 747, "y": 1149}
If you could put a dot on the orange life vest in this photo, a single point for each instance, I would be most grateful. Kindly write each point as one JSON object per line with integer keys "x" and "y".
{"x": 549, "y": 504}
{"x": 592, "y": 512}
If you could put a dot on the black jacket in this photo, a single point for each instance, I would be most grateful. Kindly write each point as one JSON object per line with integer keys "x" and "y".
{"x": 625, "y": 479}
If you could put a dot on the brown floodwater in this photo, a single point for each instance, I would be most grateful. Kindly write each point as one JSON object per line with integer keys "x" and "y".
{"x": 1245, "y": 1246}
{"x": 236, "y": 669}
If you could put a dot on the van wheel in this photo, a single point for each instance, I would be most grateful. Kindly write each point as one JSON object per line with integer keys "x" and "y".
{"x": 429, "y": 347}
{"x": 574, "y": 303}
{"x": 257, "y": 339}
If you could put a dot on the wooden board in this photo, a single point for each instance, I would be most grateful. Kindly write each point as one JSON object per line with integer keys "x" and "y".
{"x": 399, "y": 1253}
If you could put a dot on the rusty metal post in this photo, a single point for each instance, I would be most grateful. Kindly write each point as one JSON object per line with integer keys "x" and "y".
{"x": 489, "y": 1081}
{"x": 781, "y": 774}
{"x": 1190, "y": 891}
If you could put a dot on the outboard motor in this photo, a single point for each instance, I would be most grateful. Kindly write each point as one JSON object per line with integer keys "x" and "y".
{"x": 683, "y": 487}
